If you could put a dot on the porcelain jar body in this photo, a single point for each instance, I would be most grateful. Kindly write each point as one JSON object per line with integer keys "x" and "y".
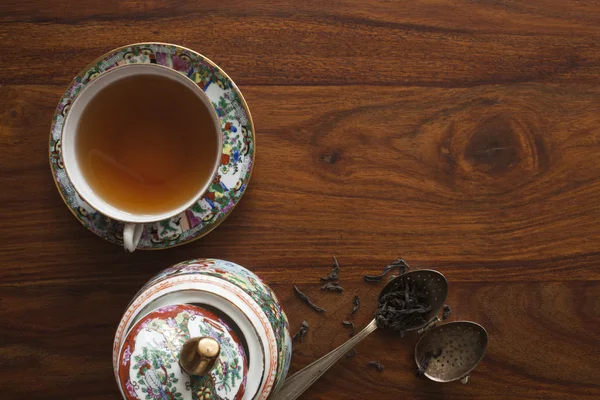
{"x": 238, "y": 296}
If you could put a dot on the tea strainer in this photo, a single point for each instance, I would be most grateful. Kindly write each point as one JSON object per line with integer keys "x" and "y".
{"x": 450, "y": 351}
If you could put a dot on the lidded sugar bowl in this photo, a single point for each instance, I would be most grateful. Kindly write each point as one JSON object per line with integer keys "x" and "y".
{"x": 202, "y": 329}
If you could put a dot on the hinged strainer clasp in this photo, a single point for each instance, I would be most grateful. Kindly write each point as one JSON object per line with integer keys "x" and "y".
{"x": 430, "y": 325}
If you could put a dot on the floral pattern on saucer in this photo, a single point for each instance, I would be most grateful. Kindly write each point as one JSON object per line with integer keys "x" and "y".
{"x": 236, "y": 159}
{"x": 150, "y": 357}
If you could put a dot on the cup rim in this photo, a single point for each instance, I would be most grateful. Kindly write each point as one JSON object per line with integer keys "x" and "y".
{"x": 108, "y": 208}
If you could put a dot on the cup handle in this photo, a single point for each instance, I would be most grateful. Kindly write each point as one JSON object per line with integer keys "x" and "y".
{"x": 132, "y": 233}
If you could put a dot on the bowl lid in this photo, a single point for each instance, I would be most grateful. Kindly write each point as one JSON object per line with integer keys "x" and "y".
{"x": 149, "y": 361}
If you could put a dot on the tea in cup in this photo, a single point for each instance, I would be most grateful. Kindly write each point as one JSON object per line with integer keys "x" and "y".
{"x": 141, "y": 144}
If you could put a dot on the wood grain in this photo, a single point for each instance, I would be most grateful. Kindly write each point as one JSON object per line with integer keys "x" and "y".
{"x": 461, "y": 135}
{"x": 432, "y": 43}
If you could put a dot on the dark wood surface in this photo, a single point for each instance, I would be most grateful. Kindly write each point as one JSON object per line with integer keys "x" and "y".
{"x": 462, "y": 135}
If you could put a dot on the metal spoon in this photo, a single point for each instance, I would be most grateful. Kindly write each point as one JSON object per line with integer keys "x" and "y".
{"x": 436, "y": 289}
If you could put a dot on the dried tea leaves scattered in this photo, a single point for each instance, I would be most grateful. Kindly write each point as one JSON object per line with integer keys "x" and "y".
{"x": 351, "y": 353}
{"x": 425, "y": 360}
{"x": 332, "y": 287}
{"x": 308, "y": 301}
{"x": 351, "y": 325}
{"x": 376, "y": 364}
{"x": 356, "y": 302}
{"x": 447, "y": 311}
{"x": 333, "y": 275}
{"x": 302, "y": 332}
{"x": 399, "y": 263}
{"x": 403, "y": 307}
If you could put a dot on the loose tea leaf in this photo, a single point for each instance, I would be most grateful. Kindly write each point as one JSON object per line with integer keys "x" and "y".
{"x": 376, "y": 364}
{"x": 333, "y": 275}
{"x": 356, "y": 302}
{"x": 399, "y": 263}
{"x": 403, "y": 307}
{"x": 425, "y": 360}
{"x": 447, "y": 311}
{"x": 302, "y": 332}
{"x": 308, "y": 301}
{"x": 332, "y": 287}
{"x": 351, "y": 325}
{"x": 351, "y": 353}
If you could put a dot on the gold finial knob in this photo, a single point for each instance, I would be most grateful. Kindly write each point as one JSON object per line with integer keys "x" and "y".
{"x": 199, "y": 355}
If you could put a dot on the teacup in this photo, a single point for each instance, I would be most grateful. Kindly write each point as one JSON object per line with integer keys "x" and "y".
{"x": 141, "y": 155}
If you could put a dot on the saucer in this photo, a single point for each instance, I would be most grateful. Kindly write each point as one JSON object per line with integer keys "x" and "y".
{"x": 237, "y": 157}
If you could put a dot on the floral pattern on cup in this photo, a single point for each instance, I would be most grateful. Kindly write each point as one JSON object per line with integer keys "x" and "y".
{"x": 237, "y": 156}
{"x": 254, "y": 287}
{"x": 150, "y": 357}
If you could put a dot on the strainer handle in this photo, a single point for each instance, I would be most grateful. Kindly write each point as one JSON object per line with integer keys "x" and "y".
{"x": 296, "y": 384}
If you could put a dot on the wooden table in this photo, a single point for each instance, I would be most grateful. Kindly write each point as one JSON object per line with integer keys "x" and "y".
{"x": 461, "y": 135}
